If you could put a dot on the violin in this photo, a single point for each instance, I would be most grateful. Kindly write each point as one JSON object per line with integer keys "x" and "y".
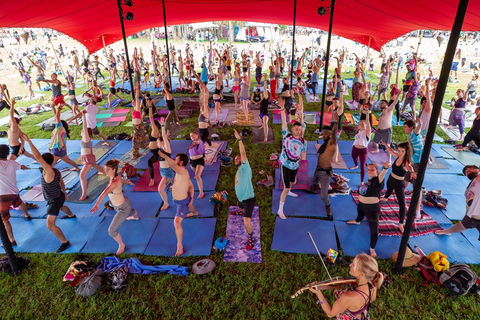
{"x": 335, "y": 283}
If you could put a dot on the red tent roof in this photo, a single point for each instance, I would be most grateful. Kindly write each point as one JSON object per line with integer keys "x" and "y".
{"x": 87, "y": 20}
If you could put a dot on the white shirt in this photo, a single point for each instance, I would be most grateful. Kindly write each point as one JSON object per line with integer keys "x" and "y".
{"x": 8, "y": 176}
{"x": 361, "y": 139}
{"x": 91, "y": 115}
{"x": 472, "y": 195}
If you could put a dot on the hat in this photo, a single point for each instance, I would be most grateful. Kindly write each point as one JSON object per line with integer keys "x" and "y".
{"x": 410, "y": 259}
{"x": 203, "y": 266}
{"x": 4, "y": 151}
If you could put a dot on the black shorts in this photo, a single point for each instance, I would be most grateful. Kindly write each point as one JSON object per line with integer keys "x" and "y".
{"x": 328, "y": 103}
{"x": 197, "y": 162}
{"x": 247, "y": 206}
{"x": 95, "y": 130}
{"x": 288, "y": 176}
{"x": 229, "y": 68}
{"x": 15, "y": 150}
{"x": 54, "y": 205}
{"x": 406, "y": 87}
{"x": 244, "y": 70}
{"x": 471, "y": 223}
{"x": 113, "y": 90}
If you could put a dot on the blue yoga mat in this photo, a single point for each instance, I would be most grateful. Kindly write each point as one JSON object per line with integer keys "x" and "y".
{"x": 135, "y": 235}
{"x": 355, "y": 239}
{"x": 290, "y": 235}
{"x": 77, "y": 231}
{"x": 146, "y": 203}
{"x": 456, "y": 207}
{"x": 311, "y": 148}
{"x": 122, "y": 147}
{"x": 472, "y": 236}
{"x": 307, "y": 204}
{"x": 23, "y": 229}
{"x": 343, "y": 207}
{"x": 114, "y": 103}
{"x": 197, "y": 238}
{"x": 37, "y": 213}
{"x": 456, "y": 247}
{"x": 28, "y": 178}
{"x": 452, "y": 166}
{"x": 448, "y": 183}
{"x": 209, "y": 179}
{"x": 436, "y": 215}
{"x": 180, "y": 146}
{"x": 203, "y": 206}
{"x": 441, "y": 153}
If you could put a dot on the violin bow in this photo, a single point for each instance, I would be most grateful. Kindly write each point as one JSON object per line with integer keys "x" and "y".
{"x": 318, "y": 252}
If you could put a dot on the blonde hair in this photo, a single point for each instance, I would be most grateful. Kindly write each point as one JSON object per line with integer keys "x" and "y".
{"x": 369, "y": 266}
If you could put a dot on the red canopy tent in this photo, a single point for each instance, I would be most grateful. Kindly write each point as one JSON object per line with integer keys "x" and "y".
{"x": 87, "y": 20}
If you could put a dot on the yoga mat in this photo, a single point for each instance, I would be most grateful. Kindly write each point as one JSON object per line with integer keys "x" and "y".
{"x": 456, "y": 183}
{"x": 303, "y": 180}
{"x": 28, "y": 178}
{"x": 311, "y": 118}
{"x": 439, "y": 152}
{"x": 447, "y": 166}
{"x": 203, "y": 206}
{"x": 258, "y": 135}
{"x": 96, "y": 184}
{"x": 355, "y": 239}
{"x": 456, "y": 247}
{"x": 343, "y": 208}
{"x": 464, "y": 157}
{"x": 66, "y": 115}
{"x": 212, "y": 151}
{"x": 222, "y": 117}
{"x": 236, "y": 251}
{"x": 99, "y": 150}
{"x": 242, "y": 121}
{"x": 291, "y": 235}
{"x": 34, "y": 194}
{"x": 349, "y": 118}
{"x": 379, "y": 157}
{"x": 103, "y": 116}
{"x": 437, "y": 163}
{"x": 180, "y": 146}
{"x": 197, "y": 238}
{"x": 309, "y": 97}
{"x": 327, "y": 117}
{"x": 472, "y": 237}
{"x": 175, "y": 130}
{"x": 110, "y": 124}
{"x": 146, "y": 204}
{"x": 436, "y": 214}
{"x": 209, "y": 178}
{"x": 135, "y": 235}
{"x": 117, "y": 119}
{"x": 452, "y": 133}
{"x": 307, "y": 204}
{"x": 114, "y": 103}
{"x": 128, "y": 156}
{"x": 24, "y": 229}
{"x": 142, "y": 183}
{"x": 344, "y": 147}
{"x": 456, "y": 207}
{"x": 77, "y": 231}
{"x": 277, "y": 118}
{"x": 340, "y": 164}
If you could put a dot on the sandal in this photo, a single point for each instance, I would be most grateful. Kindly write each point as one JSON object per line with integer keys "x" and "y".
{"x": 31, "y": 205}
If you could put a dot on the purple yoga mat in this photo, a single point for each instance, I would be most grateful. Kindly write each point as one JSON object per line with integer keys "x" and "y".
{"x": 303, "y": 183}
{"x": 235, "y": 250}
{"x": 379, "y": 158}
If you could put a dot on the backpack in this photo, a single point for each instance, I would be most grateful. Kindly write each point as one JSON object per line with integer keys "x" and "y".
{"x": 90, "y": 284}
{"x": 435, "y": 201}
{"x": 428, "y": 273}
{"x": 48, "y": 126}
{"x": 459, "y": 279}
{"x": 128, "y": 171}
{"x": 219, "y": 197}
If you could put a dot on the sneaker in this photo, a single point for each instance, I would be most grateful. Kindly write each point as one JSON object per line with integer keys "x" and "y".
{"x": 291, "y": 194}
{"x": 250, "y": 244}
{"x": 418, "y": 215}
{"x": 281, "y": 215}
{"x": 14, "y": 243}
{"x": 63, "y": 247}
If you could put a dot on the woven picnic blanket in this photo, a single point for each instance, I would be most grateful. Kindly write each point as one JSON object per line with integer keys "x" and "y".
{"x": 128, "y": 157}
{"x": 389, "y": 215}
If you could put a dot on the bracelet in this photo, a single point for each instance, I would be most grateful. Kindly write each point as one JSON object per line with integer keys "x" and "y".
{"x": 322, "y": 302}
{"x": 384, "y": 168}
{"x": 334, "y": 122}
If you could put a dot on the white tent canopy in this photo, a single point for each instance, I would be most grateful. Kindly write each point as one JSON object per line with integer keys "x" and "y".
{"x": 203, "y": 25}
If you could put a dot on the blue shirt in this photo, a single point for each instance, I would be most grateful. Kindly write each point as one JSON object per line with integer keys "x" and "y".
{"x": 204, "y": 74}
{"x": 292, "y": 149}
{"x": 243, "y": 182}
{"x": 417, "y": 145}
{"x": 315, "y": 77}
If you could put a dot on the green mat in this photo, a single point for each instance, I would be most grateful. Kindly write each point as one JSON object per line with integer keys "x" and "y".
{"x": 464, "y": 157}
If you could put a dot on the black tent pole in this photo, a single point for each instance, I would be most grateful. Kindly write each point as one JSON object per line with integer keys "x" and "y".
{"x": 293, "y": 43}
{"x": 7, "y": 245}
{"x": 437, "y": 105}
{"x": 166, "y": 40}
{"x": 120, "y": 11}
{"x": 327, "y": 60}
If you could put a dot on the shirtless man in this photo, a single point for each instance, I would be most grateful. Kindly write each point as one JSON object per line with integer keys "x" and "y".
{"x": 13, "y": 134}
{"x": 182, "y": 193}
{"x": 324, "y": 170}
{"x": 181, "y": 74}
{"x": 40, "y": 72}
{"x": 281, "y": 62}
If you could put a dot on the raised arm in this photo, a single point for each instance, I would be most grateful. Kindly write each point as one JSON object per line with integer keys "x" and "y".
{"x": 49, "y": 173}
{"x": 265, "y": 88}
{"x": 86, "y": 136}
{"x": 152, "y": 122}
{"x": 169, "y": 160}
{"x": 166, "y": 141}
{"x": 110, "y": 188}
{"x": 418, "y": 128}
{"x": 200, "y": 83}
{"x": 13, "y": 121}
{"x": 333, "y": 139}
{"x": 383, "y": 172}
{"x": 281, "y": 104}
{"x": 428, "y": 96}
{"x": 241, "y": 147}
{"x": 392, "y": 105}
{"x": 389, "y": 149}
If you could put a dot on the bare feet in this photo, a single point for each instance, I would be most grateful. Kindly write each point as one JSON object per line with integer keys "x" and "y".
{"x": 105, "y": 144}
{"x": 373, "y": 253}
{"x": 192, "y": 214}
{"x": 179, "y": 252}
{"x": 353, "y": 168}
{"x": 151, "y": 183}
{"x": 83, "y": 198}
{"x": 121, "y": 249}
{"x": 75, "y": 169}
{"x": 443, "y": 232}
{"x": 165, "y": 206}
{"x": 200, "y": 196}
{"x": 353, "y": 222}
{"x": 265, "y": 140}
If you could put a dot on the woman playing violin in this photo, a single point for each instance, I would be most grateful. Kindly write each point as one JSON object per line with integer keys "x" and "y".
{"x": 354, "y": 303}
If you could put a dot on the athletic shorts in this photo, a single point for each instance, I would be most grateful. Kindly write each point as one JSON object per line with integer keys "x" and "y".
{"x": 197, "y": 162}
{"x": 384, "y": 135}
{"x": 167, "y": 173}
{"x": 406, "y": 87}
{"x": 247, "y": 206}
{"x": 89, "y": 159}
{"x": 299, "y": 72}
{"x": 113, "y": 90}
{"x": 6, "y": 201}
{"x": 95, "y": 130}
{"x": 74, "y": 102}
{"x": 182, "y": 207}
{"x": 236, "y": 88}
{"x": 58, "y": 100}
{"x": 229, "y": 68}
{"x": 244, "y": 99}
{"x": 15, "y": 150}
{"x": 471, "y": 223}
{"x": 288, "y": 176}
{"x": 54, "y": 205}
{"x": 454, "y": 66}
{"x": 59, "y": 152}
{"x": 264, "y": 115}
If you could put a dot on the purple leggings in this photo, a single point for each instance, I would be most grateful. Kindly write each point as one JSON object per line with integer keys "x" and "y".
{"x": 362, "y": 154}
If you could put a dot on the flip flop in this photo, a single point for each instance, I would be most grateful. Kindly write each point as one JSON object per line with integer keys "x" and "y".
{"x": 68, "y": 217}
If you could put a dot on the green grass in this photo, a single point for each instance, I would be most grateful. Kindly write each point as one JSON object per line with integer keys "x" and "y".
{"x": 233, "y": 290}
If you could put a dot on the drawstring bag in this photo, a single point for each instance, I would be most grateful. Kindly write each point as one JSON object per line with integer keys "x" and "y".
{"x": 219, "y": 197}
{"x": 439, "y": 261}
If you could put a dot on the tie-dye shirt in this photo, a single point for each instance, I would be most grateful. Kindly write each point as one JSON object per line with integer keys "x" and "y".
{"x": 292, "y": 149}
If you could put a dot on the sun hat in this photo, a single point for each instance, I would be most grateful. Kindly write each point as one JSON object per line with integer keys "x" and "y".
{"x": 203, "y": 266}
{"x": 410, "y": 259}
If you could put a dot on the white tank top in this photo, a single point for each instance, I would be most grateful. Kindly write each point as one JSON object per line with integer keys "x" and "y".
{"x": 361, "y": 139}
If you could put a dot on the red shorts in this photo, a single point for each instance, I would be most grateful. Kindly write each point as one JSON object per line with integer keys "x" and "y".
{"x": 58, "y": 100}
{"x": 236, "y": 88}
{"x": 299, "y": 72}
{"x": 6, "y": 201}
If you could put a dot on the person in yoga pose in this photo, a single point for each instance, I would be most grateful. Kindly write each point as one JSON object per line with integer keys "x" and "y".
{"x": 369, "y": 202}
{"x": 112, "y": 90}
{"x": 236, "y": 83}
{"x": 244, "y": 190}
{"x": 91, "y": 115}
{"x": 119, "y": 201}
{"x": 395, "y": 182}
{"x": 293, "y": 145}
{"x": 5, "y": 100}
{"x": 473, "y": 134}
{"x": 383, "y": 133}
{"x": 14, "y": 135}
{"x": 354, "y": 303}
{"x": 172, "y": 111}
{"x": 58, "y": 142}
{"x": 359, "y": 148}
{"x": 153, "y": 137}
{"x": 196, "y": 151}
{"x": 457, "y": 116}
{"x": 96, "y": 94}
{"x": 140, "y": 137}
{"x": 57, "y": 96}
{"x": 203, "y": 118}
{"x": 245, "y": 92}
{"x": 53, "y": 189}
{"x": 217, "y": 94}
{"x": 412, "y": 128}
{"x": 182, "y": 193}
{"x": 264, "y": 114}
{"x": 166, "y": 171}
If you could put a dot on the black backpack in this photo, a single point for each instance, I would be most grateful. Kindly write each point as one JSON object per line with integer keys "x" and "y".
{"x": 459, "y": 279}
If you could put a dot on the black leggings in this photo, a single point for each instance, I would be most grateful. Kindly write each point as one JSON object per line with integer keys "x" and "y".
{"x": 204, "y": 135}
{"x": 313, "y": 85}
{"x": 4, "y": 104}
{"x": 399, "y": 187}
{"x": 98, "y": 72}
{"x": 372, "y": 211}
{"x": 472, "y": 135}
{"x": 154, "y": 158}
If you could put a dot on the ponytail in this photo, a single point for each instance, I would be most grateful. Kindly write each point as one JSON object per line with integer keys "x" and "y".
{"x": 377, "y": 280}
{"x": 113, "y": 164}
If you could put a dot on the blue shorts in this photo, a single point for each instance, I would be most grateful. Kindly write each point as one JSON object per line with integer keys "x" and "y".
{"x": 182, "y": 207}
{"x": 167, "y": 173}
{"x": 244, "y": 99}
{"x": 264, "y": 115}
{"x": 59, "y": 152}
{"x": 454, "y": 66}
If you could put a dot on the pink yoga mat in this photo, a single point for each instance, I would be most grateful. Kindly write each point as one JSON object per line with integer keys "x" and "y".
{"x": 116, "y": 111}
{"x": 379, "y": 158}
{"x": 34, "y": 194}
{"x": 116, "y": 119}
{"x": 302, "y": 177}
{"x": 142, "y": 184}
{"x": 327, "y": 118}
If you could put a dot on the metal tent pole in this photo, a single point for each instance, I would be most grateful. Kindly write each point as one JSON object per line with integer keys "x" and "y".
{"x": 166, "y": 40}
{"x": 120, "y": 11}
{"x": 293, "y": 42}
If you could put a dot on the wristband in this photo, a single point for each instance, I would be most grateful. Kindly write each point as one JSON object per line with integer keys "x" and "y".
{"x": 334, "y": 121}
{"x": 384, "y": 168}
{"x": 322, "y": 302}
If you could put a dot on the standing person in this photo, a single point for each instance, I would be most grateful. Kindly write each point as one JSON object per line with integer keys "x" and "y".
{"x": 412, "y": 94}
{"x": 153, "y": 137}
{"x": 9, "y": 193}
{"x": 412, "y": 128}
{"x": 471, "y": 88}
{"x": 369, "y": 202}
{"x": 54, "y": 193}
{"x": 181, "y": 73}
{"x": 112, "y": 90}
{"x": 384, "y": 128}
{"x": 217, "y": 94}
{"x": 245, "y": 92}
{"x": 182, "y": 193}
{"x": 5, "y": 99}
{"x": 264, "y": 114}
{"x": 166, "y": 171}
{"x": 314, "y": 83}
{"x": 395, "y": 182}
{"x": 472, "y": 197}
{"x": 359, "y": 149}
{"x": 28, "y": 81}
{"x": 14, "y": 135}
{"x": 58, "y": 142}
{"x": 40, "y": 72}
{"x": 456, "y": 60}
{"x": 196, "y": 151}
{"x": 426, "y": 108}
{"x": 236, "y": 83}
{"x": 473, "y": 134}
{"x": 365, "y": 270}
{"x": 96, "y": 63}
{"x": 244, "y": 190}
{"x": 324, "y": 169}
{"x": 121, "y": 204}
{"x": 203, "y": 118}
{"x": 88, "y": 158}
{"x": 293, "y": 145}
{"x": 457, "y": 116}
{"x": 385, "y": 79}
{"x": 72, "y": 96}
{"x": 172, "y": 111}
{"x": 57, "y": 95}
{"x": 91, "y": 114}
